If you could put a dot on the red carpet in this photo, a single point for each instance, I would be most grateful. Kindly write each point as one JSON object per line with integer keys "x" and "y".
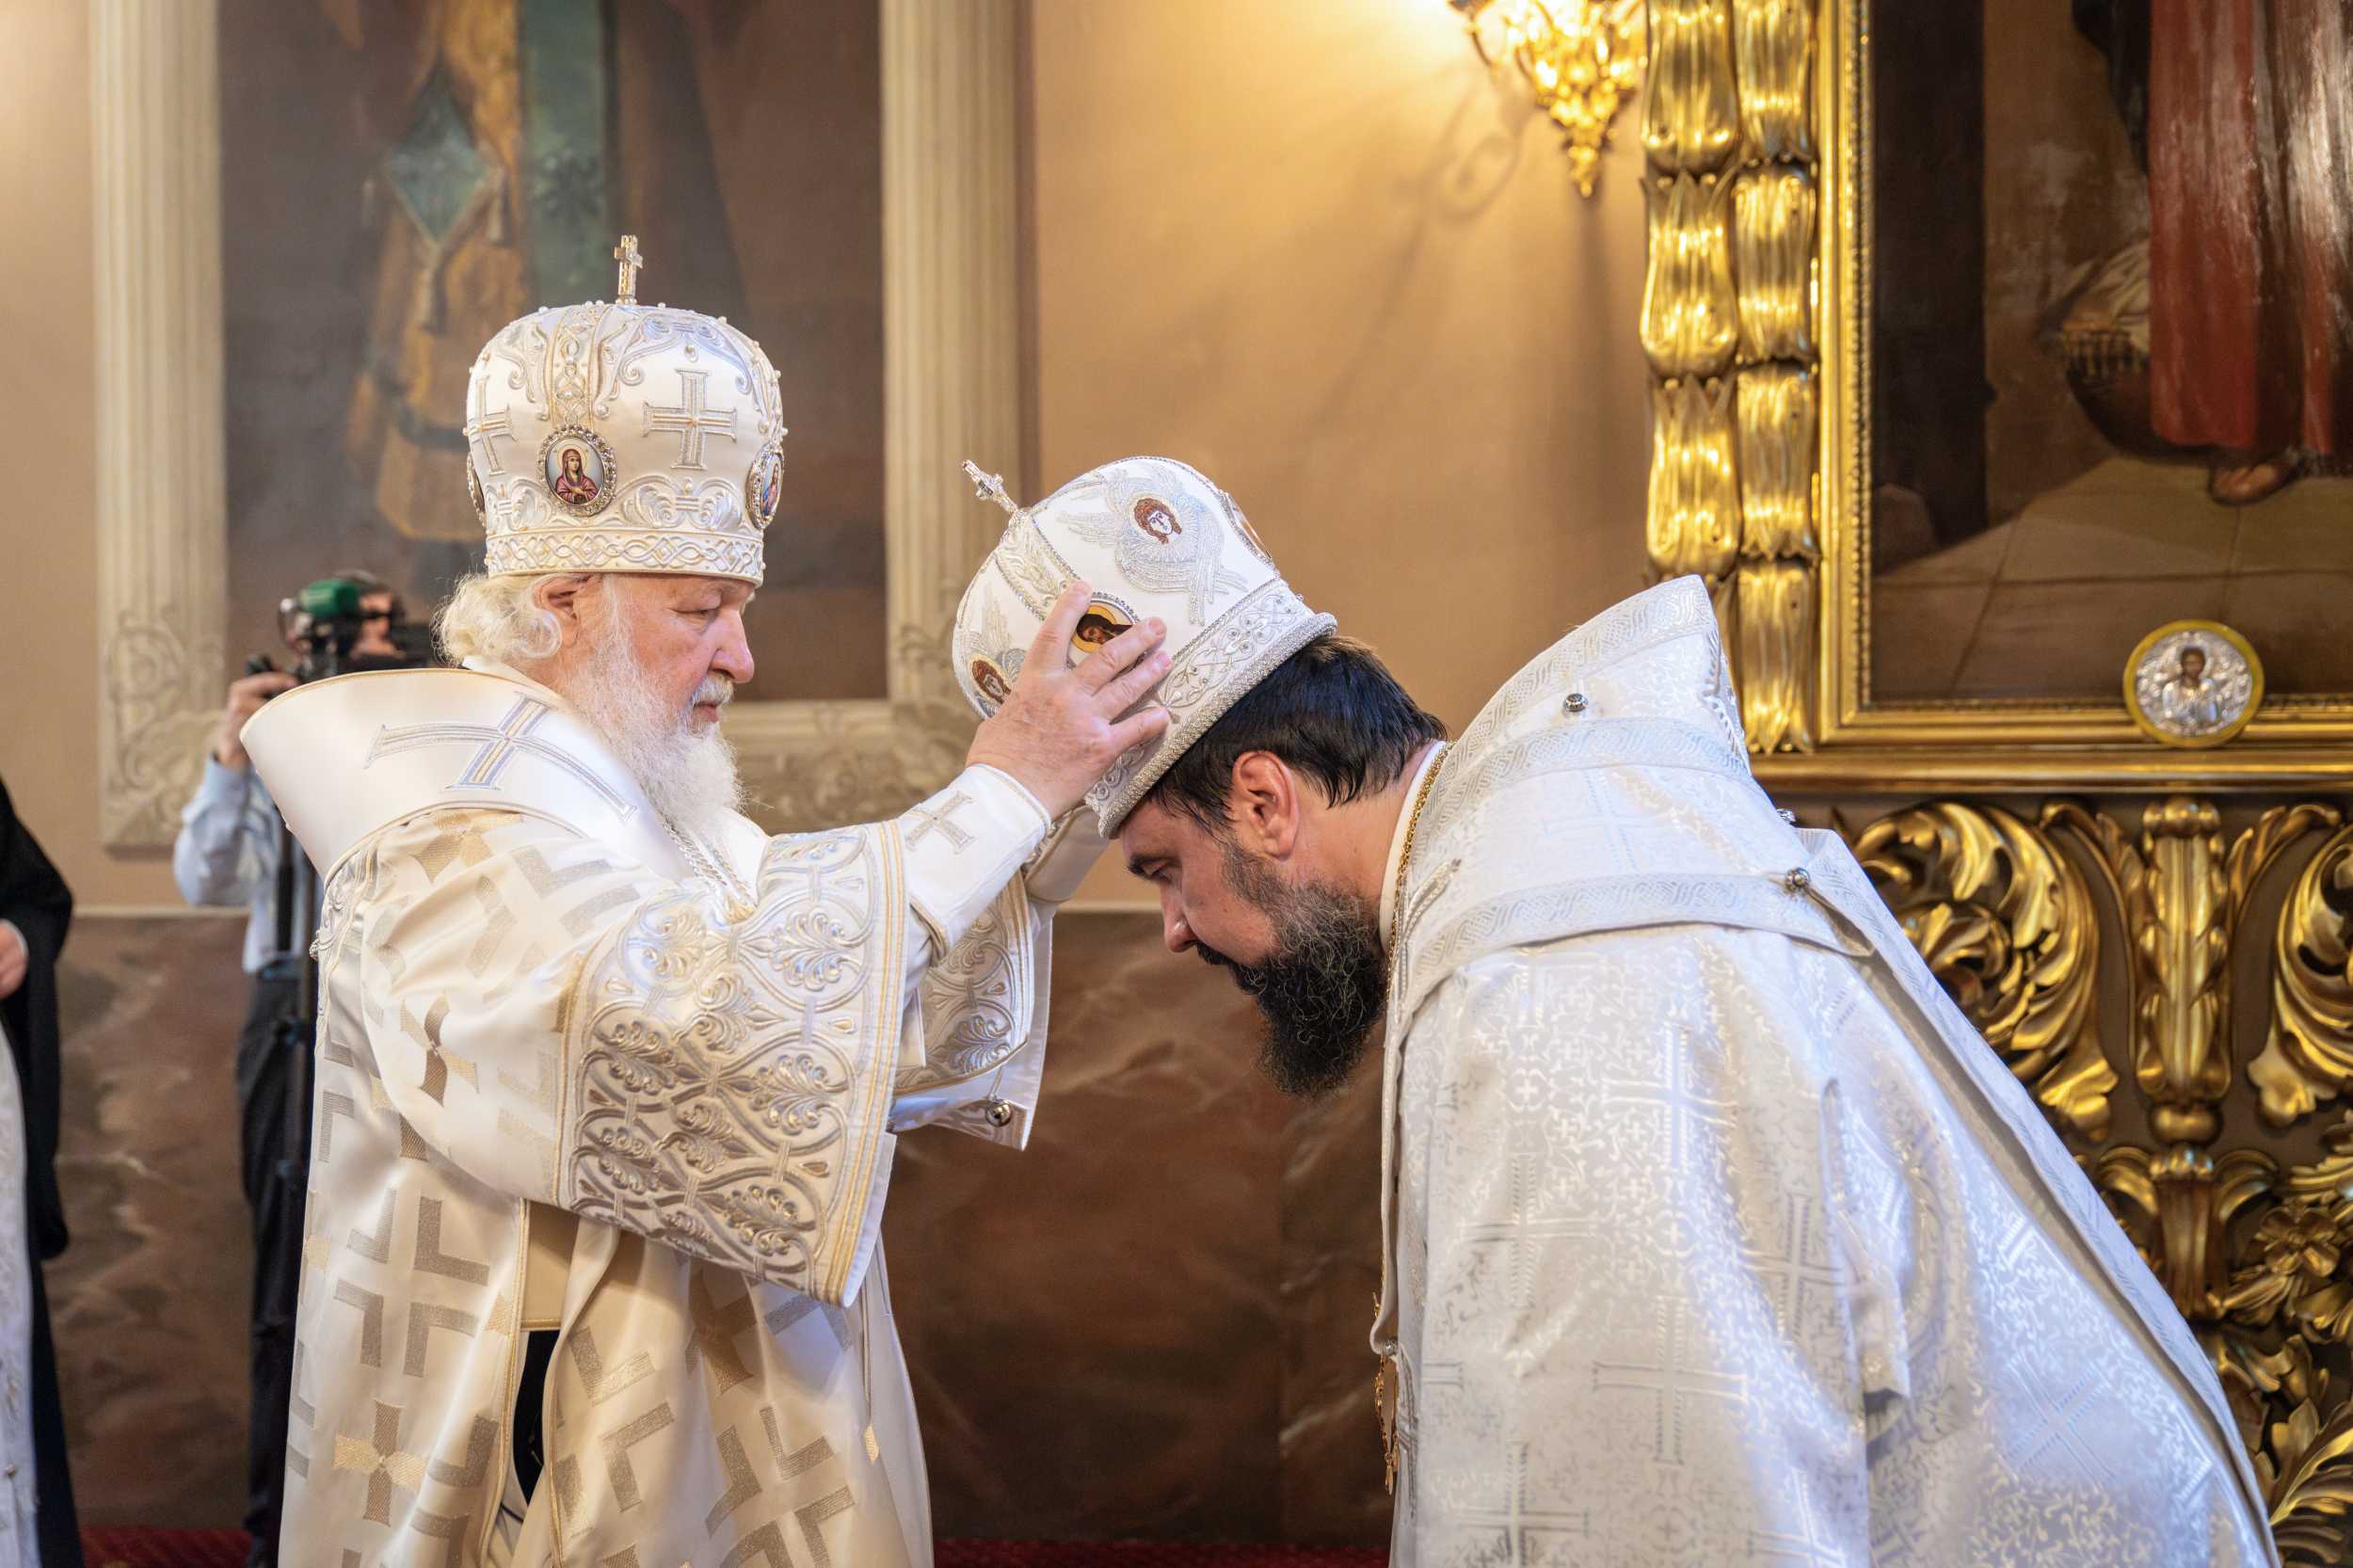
{"x": 141, "y": 1549}
{"x": 164, "y": 1548}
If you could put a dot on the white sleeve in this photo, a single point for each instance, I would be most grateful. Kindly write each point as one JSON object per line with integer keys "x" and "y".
{"x": 565, "y": 1025}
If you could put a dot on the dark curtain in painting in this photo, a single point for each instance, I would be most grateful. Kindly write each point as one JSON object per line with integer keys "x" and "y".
{"x": 1927, "y": 314}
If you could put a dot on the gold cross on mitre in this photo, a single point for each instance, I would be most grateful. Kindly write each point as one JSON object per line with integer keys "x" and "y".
{"x": 626, "y": 253}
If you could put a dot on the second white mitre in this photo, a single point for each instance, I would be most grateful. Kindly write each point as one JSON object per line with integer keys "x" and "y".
{"x": 619, "y": 437}
{"x": 1149, "y": 537}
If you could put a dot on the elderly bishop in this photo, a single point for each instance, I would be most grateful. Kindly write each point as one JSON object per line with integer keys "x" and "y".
{"x": 1714, "y": 1232}
{"x": 609, "y": 1079}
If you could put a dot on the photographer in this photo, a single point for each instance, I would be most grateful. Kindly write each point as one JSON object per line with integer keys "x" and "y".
{"x": 227, "y": 855}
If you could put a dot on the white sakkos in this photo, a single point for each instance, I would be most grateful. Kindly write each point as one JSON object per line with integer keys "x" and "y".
{"x": 1717, "y": 1234}
{"x": 677, "y": 1065}
{"x": 599, "y": 1058}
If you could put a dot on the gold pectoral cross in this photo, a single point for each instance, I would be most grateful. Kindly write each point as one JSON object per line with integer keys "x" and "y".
{"x": 626, "y": 253}
{"x": 1385, "y": 1394}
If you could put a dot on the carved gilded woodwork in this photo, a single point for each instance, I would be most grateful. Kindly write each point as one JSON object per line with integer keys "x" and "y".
{"x": 1773, "y": 60}
{"x": 1772, "y": 256}
{"x": 2254, "y": 1246}
{"x": 1776, "y": 421}
{"x": 1728, "y": 304}
{"x": 1692, "y": 110}
{"x": 1690, "y": 322}
{"x": 2005, "y": 922}
{"x": 2308, "y": 1056}
{"x": 1774, "y": 639}
{"x": 1695, "y": 518}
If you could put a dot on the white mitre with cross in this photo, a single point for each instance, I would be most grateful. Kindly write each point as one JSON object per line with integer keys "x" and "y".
{"x": 1149, "y": 537}
{"x": 620, "y": 437}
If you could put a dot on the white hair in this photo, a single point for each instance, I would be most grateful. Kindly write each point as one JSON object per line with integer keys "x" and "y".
{"x": 690, "y": 777}
{"x": 501, "y": 618}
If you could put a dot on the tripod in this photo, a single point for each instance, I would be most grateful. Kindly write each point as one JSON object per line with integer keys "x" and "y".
{"x": 278, "y": 1145}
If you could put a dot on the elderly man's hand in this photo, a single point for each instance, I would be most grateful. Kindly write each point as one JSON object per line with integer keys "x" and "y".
{"x": 1060, "y": 728}
{"x": 245, "y": 697}
{"x": 12, "y": 960}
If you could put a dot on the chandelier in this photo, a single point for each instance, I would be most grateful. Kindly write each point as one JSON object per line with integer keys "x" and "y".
{"x": 1581, "y": 59}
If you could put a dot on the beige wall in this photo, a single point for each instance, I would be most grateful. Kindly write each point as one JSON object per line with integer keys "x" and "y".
{"x": 1314, "y": 251}
{"x": 1311, "y": 249}
{"x": 48, "y": 587}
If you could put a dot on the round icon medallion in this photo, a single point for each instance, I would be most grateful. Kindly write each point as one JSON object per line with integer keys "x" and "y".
{"x": 1105, "y": 619}
{"x": 2193, "y": 683}
{"x": 763, "y": 487}
{"x": 577, "y": 468}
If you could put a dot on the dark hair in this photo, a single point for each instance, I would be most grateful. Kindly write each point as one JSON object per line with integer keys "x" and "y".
{"x": 1332, "y": 710}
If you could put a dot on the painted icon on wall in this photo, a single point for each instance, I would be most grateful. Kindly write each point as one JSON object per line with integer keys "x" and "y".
{"x": 2111, "y": 340}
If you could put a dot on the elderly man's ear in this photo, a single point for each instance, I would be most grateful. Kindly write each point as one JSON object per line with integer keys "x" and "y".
{"x": 562, "y": 596}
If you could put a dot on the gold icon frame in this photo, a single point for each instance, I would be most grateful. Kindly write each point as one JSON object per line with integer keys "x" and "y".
{"x": 1756, "y": 317}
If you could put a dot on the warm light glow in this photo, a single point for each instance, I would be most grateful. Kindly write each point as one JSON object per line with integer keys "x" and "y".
{"x": 1582, "y": 59}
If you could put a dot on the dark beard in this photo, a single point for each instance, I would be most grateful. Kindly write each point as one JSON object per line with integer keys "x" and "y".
{"x": 1325, "y": 986}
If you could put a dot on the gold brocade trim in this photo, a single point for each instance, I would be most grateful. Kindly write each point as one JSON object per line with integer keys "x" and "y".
{"x": 886, "y": 1018}
{"x": 1384, "y": 1397}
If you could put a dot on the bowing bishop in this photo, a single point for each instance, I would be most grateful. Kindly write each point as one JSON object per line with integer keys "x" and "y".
{"x": 1712, "y": 1231}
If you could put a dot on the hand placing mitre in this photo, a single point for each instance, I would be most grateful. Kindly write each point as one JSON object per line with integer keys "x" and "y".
{"x": 12, "y": 960}
{"x": 1059, "y": 729}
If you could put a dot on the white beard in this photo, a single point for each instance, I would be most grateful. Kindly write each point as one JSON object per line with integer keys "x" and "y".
{"x": 689, "y": 776}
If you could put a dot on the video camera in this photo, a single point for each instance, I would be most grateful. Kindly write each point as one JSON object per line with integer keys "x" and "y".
{"x": 325, "y": 622}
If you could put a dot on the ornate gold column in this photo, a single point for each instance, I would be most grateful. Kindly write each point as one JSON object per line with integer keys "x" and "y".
{"x": 1728, "y": 326}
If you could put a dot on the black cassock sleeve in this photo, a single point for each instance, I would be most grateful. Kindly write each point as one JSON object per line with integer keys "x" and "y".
{"x": 35, "y": 898}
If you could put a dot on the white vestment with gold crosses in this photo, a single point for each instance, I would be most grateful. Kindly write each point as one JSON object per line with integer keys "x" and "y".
{"x": 543, "y": 1014}
{"x": 1716, "y": 1232}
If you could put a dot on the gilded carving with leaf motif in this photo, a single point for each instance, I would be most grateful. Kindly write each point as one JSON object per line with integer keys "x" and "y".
{"x": 2006, "y": 923}
{"x": 2308, "y": 1056}
{"x": 2255, "y": 1250}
